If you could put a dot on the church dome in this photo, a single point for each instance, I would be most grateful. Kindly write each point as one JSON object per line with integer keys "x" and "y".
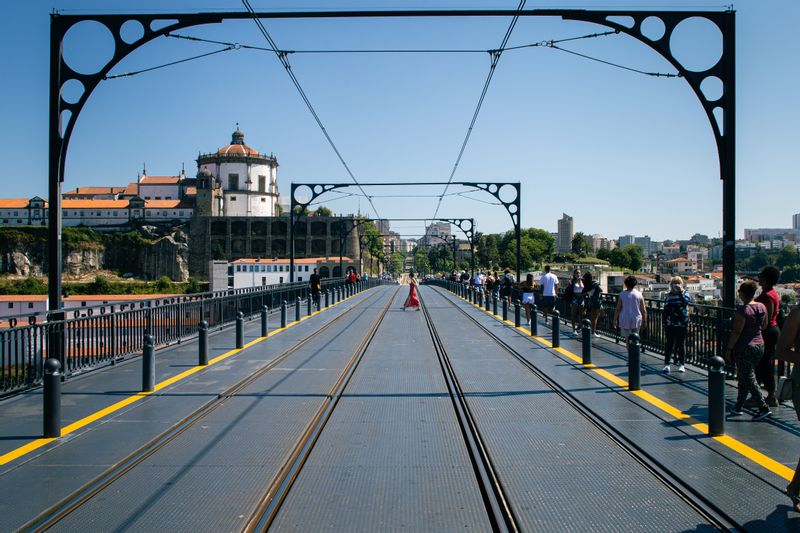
{"x": 237, "y": 146}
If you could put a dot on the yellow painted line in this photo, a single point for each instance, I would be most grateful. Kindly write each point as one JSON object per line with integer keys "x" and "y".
{"x": 83, "y": 422}
{"x": 737, "y": 446}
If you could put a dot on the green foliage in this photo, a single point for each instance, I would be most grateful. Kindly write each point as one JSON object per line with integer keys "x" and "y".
{"x": 580, "y": 244}
{"x": 500, "y": 250}
{"x": 604, "y": 254}
{"x": 421, "y": 263}
{"x": 193, "y": 286}
{"x": 29, "y": 285}
{"x": 217, "y": 252}
{"x": 368, "y": 231}
{"x": 629, "y": 257}
{"x": 101, "y": 285}
{"x": 790, "y": 274}
{"x": 164, "y": 284}
{"x": 788, "y": 256}
{"x": 395, "y": 263}
{"x": 323, "y": 211}
{"x": 81, "y": 239}
{"x": 11, "y": 237}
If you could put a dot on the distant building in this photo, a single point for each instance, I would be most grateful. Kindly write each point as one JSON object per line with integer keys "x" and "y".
{"x": 644, "y": 243}
{"x": 625, "y": 240}
{"x": 770, "y": 234}
{"x": 436, "y": 233}
{"x": 565, "y": 234}
{"x": 258, "y": 272}
{"x": 796, "y": 221}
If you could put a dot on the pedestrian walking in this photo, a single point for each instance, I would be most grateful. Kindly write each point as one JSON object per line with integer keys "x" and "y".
{"x": 746, "y": 346}
{"x": 765, "y": 371}
{"x": 788, "y": 349}
{"x": 573, "y": 296}
{"x": 675, "y": 319}
{"x": 488, "y": 284}
{"x": 592, "y": 300}
{"x": 477, "y": 281}
{"x": 507, "y": 285}
{"x": 315, "y": 284}
{"x": 412, "y": 301}
{"x": 631, "y": 315}
{"x": 498, "y": 283}
{"x": 527, "y": 288}
{"x": 548, "y": 282}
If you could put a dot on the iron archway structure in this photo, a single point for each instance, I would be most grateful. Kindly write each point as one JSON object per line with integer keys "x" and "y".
{"x": 512, "y": 206}
{"x": 154, "y": 25}
{"x": 465, "y": 225}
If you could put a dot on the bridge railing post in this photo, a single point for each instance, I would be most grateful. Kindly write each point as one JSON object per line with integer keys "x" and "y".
{"x": 494, "y": 304}
{"x": 148, "y": 364}
{"x": 264, "y": 320}
{"x": 202, "y": 343}
{"x": 505, "y": 310}
{"x": 516, "y": 313}
{"x": 283, "y": 314}
{"x": 52, "y": 399}
{"x": 716, "y": 396}
{"x": 556, "y": 331}
{"x": 297, "y": 309}
{"x": 534, "y": 322}
{"x": 634, "y": 368}
{"x": 586, "y": 341}
{"x": 239, "y": 330}
{"x": 327, "y": 298}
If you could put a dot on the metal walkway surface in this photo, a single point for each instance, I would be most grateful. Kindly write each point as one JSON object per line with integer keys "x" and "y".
{"x": 366, "y": 417}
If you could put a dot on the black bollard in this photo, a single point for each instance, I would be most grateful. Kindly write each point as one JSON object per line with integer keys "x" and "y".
{"x": 297, "y": 310}
{"x": 556, "y": 325}
{"x": 327, "y": 299}
{"x": 634, "y": 368}
{"x": 716, "y": 396}
{"x": 488, "y": 301}
{"x": 239, "y": 330}
{"x": 308, "y": 311}
{"x": 534, "y": 322}
{"x": 505, "y": 309}
{"x": 494, "y": 303}
{"x": 148, "y": 364}
{"x": 283, "y": 314}
{"x": 264, "y": 320}
{"x": 586, "y": 338}
{"x": 202, "y": 343}
{"x": 516, "y": 313}
{"x": 52, "y": 399}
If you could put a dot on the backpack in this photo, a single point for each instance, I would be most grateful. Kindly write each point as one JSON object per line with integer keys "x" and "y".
{"x": 507, "y": 280}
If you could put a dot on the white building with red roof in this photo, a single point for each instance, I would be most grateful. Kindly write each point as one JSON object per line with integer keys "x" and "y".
{"x": 244, "y": 181}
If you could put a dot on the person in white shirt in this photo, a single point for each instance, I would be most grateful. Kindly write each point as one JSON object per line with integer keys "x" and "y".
{"x": 548, "y": 282}
{"x": 477, "y": 280}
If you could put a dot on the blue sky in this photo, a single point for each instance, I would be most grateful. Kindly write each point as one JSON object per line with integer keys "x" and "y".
{"x": 620, "y": 152}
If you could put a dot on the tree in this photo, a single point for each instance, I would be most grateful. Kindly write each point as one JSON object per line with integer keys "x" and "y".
{"x": 101, "y": 285}
{"x": 619, "y": 257}
{"x": 580, "y": 244}
{"x": 787, "y": 257}
{"x": 603, "y": 253}
{"x": 791, "y": 274}
{"x": 323, "y": 211}
{"x": 395, "y": 263}
{"x": 278, "y": 210}
{"x": 421, "y": 263}
{"x": 634, "y": 256}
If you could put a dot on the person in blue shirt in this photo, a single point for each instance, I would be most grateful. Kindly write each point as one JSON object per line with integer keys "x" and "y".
{"x": 675, "y": 317}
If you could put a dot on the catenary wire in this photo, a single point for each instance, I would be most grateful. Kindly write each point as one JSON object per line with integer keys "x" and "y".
{"x": 656, "y": 74}
{"x": 285, "y": 62}
{"x": 135, "y": 72}
{"x": 495, "y": 58}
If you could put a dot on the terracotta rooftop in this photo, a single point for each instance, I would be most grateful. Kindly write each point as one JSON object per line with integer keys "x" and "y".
{"x": 159, "y": 180}
{"x": 14, "y": 203}
{"x": 95, "y": 190}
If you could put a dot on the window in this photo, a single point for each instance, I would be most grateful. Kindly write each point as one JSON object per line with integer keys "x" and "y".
{"x": 30, "y": 305}
{"x": 233, "y": 182}
{"x": 263, "y": 199}
{"x": 238, "y": 268}
{"x": 262, "y": 184}
{"x": 263, "y": 268}
{"x": 306, "y": 268}
{"x": 10, "y": 305}
{"x": 158, "y": 198}
{"x": 269, "y": 268}
{"x": 5, "y": 221}
{"x": 233, "y": 198}
{"x": 16, "y": 213}
{"x": 263, "y": 280}
{"x": 116, "y": 213}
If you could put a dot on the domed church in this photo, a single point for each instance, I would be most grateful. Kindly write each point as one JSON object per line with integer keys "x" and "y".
{"x": 237, "y": 181}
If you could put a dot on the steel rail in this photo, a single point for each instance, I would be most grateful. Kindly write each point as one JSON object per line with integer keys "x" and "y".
{"x": 497, "y": 506}
{"x": 275, "y": 494}
{"x": 695, "y": 499}
{"x": 82, "y": 495}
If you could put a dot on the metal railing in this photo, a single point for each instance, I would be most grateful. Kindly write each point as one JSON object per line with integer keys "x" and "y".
{"x": 88, "y": 336}
{"x": 707, "y": 335}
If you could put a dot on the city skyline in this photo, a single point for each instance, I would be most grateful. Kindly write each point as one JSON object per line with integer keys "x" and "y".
{"x": 581, "y": 137}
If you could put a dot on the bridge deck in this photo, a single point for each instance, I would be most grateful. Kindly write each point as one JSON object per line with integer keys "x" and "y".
{"x": 392, "y": 454}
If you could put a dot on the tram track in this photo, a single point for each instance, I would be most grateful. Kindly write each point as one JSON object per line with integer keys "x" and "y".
{"x": 275, "y": 494}
{"x": 69, "y": 504}
{"x": 696, "y": 500}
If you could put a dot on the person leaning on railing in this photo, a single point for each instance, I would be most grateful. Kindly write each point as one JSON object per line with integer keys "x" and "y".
{"x": 788, "y": 349}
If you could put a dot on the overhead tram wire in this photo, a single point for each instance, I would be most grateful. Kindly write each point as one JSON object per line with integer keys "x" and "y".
{"x": 495, "y": 55}
{"x": 135, "y": 72}
{"x": 285, "y": 62}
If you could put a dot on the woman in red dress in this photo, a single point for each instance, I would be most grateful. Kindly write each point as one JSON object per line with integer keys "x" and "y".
{"x": 412, "y": 300}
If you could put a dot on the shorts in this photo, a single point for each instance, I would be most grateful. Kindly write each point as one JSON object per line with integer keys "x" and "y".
{"x": 527, "y": 298}
{"x": 548, "y": 301}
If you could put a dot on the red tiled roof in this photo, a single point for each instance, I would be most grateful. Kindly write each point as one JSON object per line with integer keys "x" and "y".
{"x": 95, "y": 190}
{"x": 303, "y": 261}
{"x": 160, "y": 180}
{"x": 94, "y": 204}
{"x": 191, "y": 191}
{"x": 165, "y": 204}
{"x": 13, "y": 203}
{"x": 237, "y": 149}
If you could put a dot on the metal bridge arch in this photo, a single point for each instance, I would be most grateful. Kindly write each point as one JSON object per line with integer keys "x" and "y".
{"x": 61, "y": 73}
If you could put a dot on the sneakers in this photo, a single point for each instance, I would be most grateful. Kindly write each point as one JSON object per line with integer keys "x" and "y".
{"x": 736, "y": 411}
{"x": 772, "y": 401}
{"x": 666, "y": 369}
{"x": 762, "y": 413}
{"x": 681, "y": 368}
